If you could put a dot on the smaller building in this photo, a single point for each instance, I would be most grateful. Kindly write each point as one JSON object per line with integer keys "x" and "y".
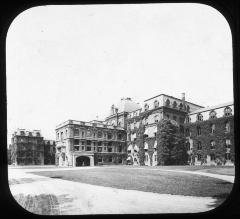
{"x": 210, "y": 135}
{"x": 49, "y": 152}
{"x": 30, "y": 148}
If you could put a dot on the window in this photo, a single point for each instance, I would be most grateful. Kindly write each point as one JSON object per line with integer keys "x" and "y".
{"x": 61, "y": 135}
{"x": 109, "y": 149}
{"x": 119, "y": 160}
{"x": 82, "y": 142}
{"x": 99, "y": 149}
{"x": 212, "y": 127}
{"x": 167, "y": 103}
{"x": 76, "y": 141}
{"x": 88, "y": 142}
{"x": 199, "y": 145}
{"x": 76, "y": 148}
{"x": 198, "y": 131}
{"x": 109, "y": 143}
{"x": 227, "y": 156}
{"x": 119, "y": 136}
{"x": 89, "y": 148}
{"x": 119, "y": 148}
{"x": 180, "y": 106}
{"x": 94, "y": 135}
{"x": 181, "y": 129}
{"x": 146, "y": 158}
{"x": 199, "y": 157}
{"x": 109, "y": 136}
{"x": 187, "y": 132}
{"x": 99, "y": 143}
{"x": 188, "y": 108}
{"x": 167, "y": 116}
{"x": 83, "y": 148}
{"x": 99, "y": 134}
{"x": 156, "y": 104}
{"x": 22, "y": 133}
{"x": 110, "y": 159}
{"x": 155, "y": 157}
{"x": 99, "y": 159}
{"x": 228, "y": 143}
{"x": 212, "y": 144}
{"x": 199, "y": 117}
{"x": 66, "y": 132}
{"x": 57, "y": 135}
{"x": 146, "y": 107}
{"x": 174, "y": 118}
{"x": 188, "y": 146}
{"x": 82, "y": 134}
{"x": 227, "y": 111}
{"x": 212, "y": 115}
{"x": 76, "y": 132}
{"x": 188, "y": 119}
{"x": 174, "y": 104}
{"x": 38, "y": 134}
{"x": 227, "y": 126}
{"x": 212, "y": 157}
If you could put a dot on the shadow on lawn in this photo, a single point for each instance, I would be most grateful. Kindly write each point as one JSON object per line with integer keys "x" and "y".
{"x": 43, "y": 204}
{"x": 219, "y": 199}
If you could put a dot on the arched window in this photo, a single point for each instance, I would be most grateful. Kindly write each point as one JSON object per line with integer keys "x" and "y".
{"x": 174, "y": 104}
{"x": 212, "y": 115}
{"x": 198, "y": 131}
{"x": 227, "y": 126}
{"x": 146, "y": 107}
{"x": 156, "y": 104}
{"x": 227, "y": 111}
{"x": 212, "y": 127}
{"x": 212, "y": 144}
{"x": 199, "y": 117}
{"x": 180, "y": 106}
{"x": 167, "y": 103}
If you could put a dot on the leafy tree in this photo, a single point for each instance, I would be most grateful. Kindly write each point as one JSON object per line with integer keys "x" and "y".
{"x": 171, "y": 144}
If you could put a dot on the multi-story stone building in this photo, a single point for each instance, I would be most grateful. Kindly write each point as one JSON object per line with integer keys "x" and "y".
{"x": 89, "y": 143}
{"x": 210, "y": 135}
{"x": 98, "y": 142}
{"x": 142, "y": 125}
{"x": 29, "y": 148}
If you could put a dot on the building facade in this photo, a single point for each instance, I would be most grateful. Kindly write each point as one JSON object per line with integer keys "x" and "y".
{"x": 29, "y": 148}
{"x": 49, "y": 152}
{"x": 142, "y": 131}
{"x": 210, "y": 135}
{"x": 89, "y": 143}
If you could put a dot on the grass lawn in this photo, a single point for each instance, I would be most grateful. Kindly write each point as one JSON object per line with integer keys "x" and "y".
{"x": 148, "y": 179}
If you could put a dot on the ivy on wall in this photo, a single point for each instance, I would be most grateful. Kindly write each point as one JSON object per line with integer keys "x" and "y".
{"x": 219, "y": 136}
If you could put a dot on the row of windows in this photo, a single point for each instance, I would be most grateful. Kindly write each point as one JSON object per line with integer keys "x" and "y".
{"x": 213, "y": 144}
{"x": 174, "y": 105}
{"x": 108, "y": 159}
{"x": 98, "y": 149}
{"x": 213, "y": 157}
{"x": 212, "y": 129}
{"x": 94, "y": 143}
{"x": 212, "y": 115}
{"x": 88, "y": 134}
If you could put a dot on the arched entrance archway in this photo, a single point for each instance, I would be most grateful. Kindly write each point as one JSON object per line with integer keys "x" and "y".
{"x": 82, "y": 161}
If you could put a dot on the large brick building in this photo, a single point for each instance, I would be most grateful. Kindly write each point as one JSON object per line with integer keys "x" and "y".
{"x": 30, "y": 148}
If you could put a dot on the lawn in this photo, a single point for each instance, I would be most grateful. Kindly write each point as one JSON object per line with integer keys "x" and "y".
{"x": 149, "y": 180}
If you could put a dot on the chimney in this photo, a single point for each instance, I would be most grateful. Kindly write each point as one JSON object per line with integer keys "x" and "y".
{"x": 183, "y": 96}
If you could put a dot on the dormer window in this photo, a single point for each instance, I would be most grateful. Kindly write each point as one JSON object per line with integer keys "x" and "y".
{"x": 227, "y": 111}
{"x": 167, "y": 103}
{"x": 212, "y": 126}
{"x": 199, "y": 117}
{"x": 174, "y": 104}
{"x": 180, "y": 106}
{"x": 212, "y": 114}
{"x": 156, "y": 104}
{"x": 146, "y": 107}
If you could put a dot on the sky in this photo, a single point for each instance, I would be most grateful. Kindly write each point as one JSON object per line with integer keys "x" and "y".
{"x": 73, "y": 62}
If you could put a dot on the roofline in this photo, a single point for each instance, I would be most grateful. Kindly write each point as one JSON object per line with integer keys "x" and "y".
{"x": 192, "y": 113}
{"x": 174, "y": 98}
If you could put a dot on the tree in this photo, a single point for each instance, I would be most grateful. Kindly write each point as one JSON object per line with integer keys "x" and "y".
{"x": 171, "y": 148}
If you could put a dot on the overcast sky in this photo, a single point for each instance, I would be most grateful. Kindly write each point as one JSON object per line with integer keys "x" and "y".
{"x": 74, "y": 62}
